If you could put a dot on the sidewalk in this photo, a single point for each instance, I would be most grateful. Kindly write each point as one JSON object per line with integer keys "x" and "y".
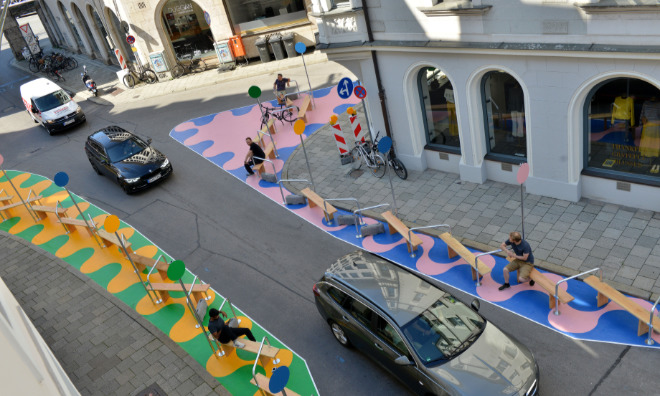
{"x": 104, "y": 346}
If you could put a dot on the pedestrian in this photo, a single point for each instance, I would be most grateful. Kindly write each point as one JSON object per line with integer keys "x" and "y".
{"x": 280, "y": 88}
{"x": 523, "y": 259}
{"x": 254, "y": 151}
{"x": 223, "y": 333}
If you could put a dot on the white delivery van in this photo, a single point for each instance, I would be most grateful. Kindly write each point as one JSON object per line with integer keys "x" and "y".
{"x": 48, "y": 104}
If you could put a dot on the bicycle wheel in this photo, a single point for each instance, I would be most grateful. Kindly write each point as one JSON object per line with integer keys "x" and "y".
{"x": 70, "y": 63}
{"x": 149, "y": 76}
{"x": 199, "y": 66}
{"x": 379, "y": 167}
{"x": 289, "y": 117}
{"x": 399, "y": 168}
{"x": 129, "y": 80}
{"x": 357, "y": 158}
{"x": 33, "y": 65}
{"x": 177, "y": 71}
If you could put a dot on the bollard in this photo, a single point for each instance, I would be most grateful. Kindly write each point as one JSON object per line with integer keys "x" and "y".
{"x": 269, "y": 177}
{"x": 372, "y": 229}
{"x": 295, "y": 200}
{"x": 345, "y": 219}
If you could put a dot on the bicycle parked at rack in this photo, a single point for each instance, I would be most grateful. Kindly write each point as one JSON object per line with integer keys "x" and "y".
{"x": 394, "y": 162}
{"x": 193, "y": 66}
{"x": 366, "y": 152}
{"x": 282, "y": 114}
{"x": 146, "y": 75}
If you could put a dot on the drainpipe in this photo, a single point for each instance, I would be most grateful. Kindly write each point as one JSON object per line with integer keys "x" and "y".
{"x": 374, "y": 58}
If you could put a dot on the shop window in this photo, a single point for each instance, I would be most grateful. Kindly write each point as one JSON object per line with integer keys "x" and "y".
{"x": 189, "y": 33}
{"x": 259, "y": 15}
{"x": 622, "y": 130}
{"x": 438, "y": 109}
{"x": 504, "y": 117}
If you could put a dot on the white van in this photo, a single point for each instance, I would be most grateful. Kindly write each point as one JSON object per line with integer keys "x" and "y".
{"x": 48, "y": 104}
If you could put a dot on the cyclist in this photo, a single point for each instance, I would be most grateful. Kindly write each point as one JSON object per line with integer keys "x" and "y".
{"x": 279, "y": 86}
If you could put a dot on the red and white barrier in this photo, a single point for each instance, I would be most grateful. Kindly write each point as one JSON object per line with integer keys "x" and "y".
{"x": 120, "y": 58}
{"x": 339, "y": 136}
{"x": 355, "y": 125}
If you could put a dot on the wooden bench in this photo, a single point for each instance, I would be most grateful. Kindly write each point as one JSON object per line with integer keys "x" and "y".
{"x": 112, "y": 238}
{"x": 267, "y": 356}
{"x": 549, "y": 287}
{"x": 6, "y": 210}
{"x": 315, "y": 200}
{"x": 289, "y": 102}
{"x": 270, "y": 151}
{"x": 304, "y": 108}
{"x": 269, "y": 127}
{"x": 73, "y": 224}
{"x": 164, "y": 290}
{"x": 143, "y": 262}
{"x": 6, "y": 198}
{"x": 607, "y": 292}
{"x": 396, "y": 225}
{"x": 262, "y": 383}
{"x": 42, "y": 211}
{"x": 454, "y": 248}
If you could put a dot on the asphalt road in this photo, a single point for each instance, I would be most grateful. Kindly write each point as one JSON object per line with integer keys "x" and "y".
{"x": 258, "y": 254}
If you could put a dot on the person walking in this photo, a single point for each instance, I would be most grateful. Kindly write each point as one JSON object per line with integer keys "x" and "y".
{"x": 280, "y": 88}
{"x": 522, "y": 259}
{"x": 223, "y": 333}
{"x": 254, "y": 151}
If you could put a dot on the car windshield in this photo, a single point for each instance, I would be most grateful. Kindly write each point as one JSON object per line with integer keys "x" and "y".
{"x": 445, "y": 328}
{"x": 52, "y": 100}
{"x": 126, "y": 148}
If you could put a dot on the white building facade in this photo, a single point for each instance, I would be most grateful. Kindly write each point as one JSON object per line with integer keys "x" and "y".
{"x": 571, "y": 87}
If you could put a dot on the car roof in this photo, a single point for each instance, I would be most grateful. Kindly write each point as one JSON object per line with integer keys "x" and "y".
{"x": 38, "y": 88}
{"x": 110, "y": 135}
{"x": 398, "y": 292}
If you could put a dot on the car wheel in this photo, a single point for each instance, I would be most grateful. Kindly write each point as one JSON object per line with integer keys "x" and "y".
{"x": 340, "y": 334}
{"x": 124, "y": 187}
{"x": 50, "y": 131}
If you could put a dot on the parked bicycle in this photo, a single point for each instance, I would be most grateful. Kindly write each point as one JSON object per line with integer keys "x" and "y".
{"x": 394, "y": 162}
{"x": 366, "y": 152}
{"x": 193, "y": 66}
{"x": 282, "y": 114}
{"x": 146, "y": 75}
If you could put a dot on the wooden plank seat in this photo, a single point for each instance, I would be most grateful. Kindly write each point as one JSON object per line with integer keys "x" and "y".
{"x": 6, "y": 198}
{"x": 6, "y": 210}
{"x": 455, "y": 247}
{"x": 270, "y": 151}
{"x": 270, "y": 154}
{"x": 315, "y": 200}
{"x": 164, "y": 289}
{"x": 72, "y": 224}
{"x": 112, "y": 238}
{"x": 143, "y": 262}
{"x": 268, "y": 352}
{"x": 396, "y": 225}
{"x": 262, "y": 383}
{"x": 549, "y": 287}
{"x": 42, "y": 211}
{"x": 607, "y": 292}
{"x": 289, "y": 102}
{"x": 269, "y": 127}
{"x": 304, "y": 108}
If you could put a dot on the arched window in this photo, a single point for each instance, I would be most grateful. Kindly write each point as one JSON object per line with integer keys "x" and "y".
{"x": 622, "y": 131}
{"x": 186, "y": 26}
{"x": 438, "y": 109}
{"x": 504, "y": 116}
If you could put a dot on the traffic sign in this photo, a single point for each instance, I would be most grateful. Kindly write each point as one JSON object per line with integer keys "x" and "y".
{"x": 385, "y": 144}
{"x": 360, "y": 92}
{"x": 345, "y": 88}
{"x": 207, "y": 18}
{"x": 130, "y": 39}
{"x": 523, "y": 173}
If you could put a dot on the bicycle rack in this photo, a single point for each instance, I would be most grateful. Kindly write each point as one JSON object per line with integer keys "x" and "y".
{"x": 556, "y": 312}
{"x": 649, "y": 340}
{"x": 412, "y": 252}
{"x": 476, "y": 262}
{"x": 357, "y": 203}
{"x": 260, "y": 132}
{"x": 291, "y": 180}
{"x": 360, "y": 222}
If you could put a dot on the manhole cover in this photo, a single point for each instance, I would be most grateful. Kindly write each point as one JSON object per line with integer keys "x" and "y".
{"x": 152, "y": 390}
{"x": 356, "y": 173}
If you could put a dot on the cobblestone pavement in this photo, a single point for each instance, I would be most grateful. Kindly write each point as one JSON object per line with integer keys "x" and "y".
{"x": 104, "y": 346}
{"x": 566, "y": 237}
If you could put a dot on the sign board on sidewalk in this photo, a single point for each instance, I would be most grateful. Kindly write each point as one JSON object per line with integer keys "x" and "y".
{"x": 223, "y": 52}
{"x": 158, "y": 62}
{"x": 30, "y": 39}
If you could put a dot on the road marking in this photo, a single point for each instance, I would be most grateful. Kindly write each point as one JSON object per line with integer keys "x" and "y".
{"x": 11, "y": 82}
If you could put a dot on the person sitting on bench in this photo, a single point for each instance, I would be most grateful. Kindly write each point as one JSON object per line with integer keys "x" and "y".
{"x": 223, "y": 333}
{"x": 254, "y": 151}
{"x": 523, "y": 259}
{"x": 280, "y": 89}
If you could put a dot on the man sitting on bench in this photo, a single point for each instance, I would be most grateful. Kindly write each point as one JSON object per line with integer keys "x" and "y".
{"x": 254, "y": 151}
{"x": 523, "y": 259}
{"x": 223, "y": 333}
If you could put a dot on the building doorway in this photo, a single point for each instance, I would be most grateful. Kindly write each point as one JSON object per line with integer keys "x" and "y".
{"x": 185, "y": 25}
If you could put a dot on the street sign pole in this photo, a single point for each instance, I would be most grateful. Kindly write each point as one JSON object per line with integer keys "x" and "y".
{"x": 522, "y": 175}
{"x": 384, "y": 146}
{"x": 299, "y": 129}
{"x": 301, "y": 48}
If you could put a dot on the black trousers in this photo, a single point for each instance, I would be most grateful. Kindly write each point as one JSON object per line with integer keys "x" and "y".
{"x": 248, "y": 166}
{"x": 235, "y": 332}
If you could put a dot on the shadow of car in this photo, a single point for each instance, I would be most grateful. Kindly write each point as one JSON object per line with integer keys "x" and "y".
{"x": 124, "y": 157}
{"x": 421, "y": 334}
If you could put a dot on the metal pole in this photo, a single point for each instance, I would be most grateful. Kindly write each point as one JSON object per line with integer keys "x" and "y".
{"x": 522, "y": 210}
{"x": 4, "y": 16}
{"x": 19, "y": 195}
{"x": 307, "y": 161}
{"x": 308, "y": 83}
{"x": 476, "y": 263}
{"x": 389, "y": 175}
{"x": 121, "y": 242}
{"x": 556, "y": 296}
{"x": 649, "y": 340}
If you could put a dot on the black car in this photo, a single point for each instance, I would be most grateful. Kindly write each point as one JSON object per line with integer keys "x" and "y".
{"x": 124, "y": 157}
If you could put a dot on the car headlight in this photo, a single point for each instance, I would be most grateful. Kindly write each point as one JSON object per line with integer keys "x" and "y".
{"x": 133, "y": 180}
{"x": 50, "y": 121}
{"x": 79, "y": 110}
{"x": 165, "y": 164}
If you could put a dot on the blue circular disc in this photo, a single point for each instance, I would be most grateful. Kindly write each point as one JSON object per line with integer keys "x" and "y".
{"x": 345, "y": 88}
{"x": 385, "y": 144}
{"x": 61, "y": 179}
{"x": 301, "y": 48}
{"x": 278, "y": 379}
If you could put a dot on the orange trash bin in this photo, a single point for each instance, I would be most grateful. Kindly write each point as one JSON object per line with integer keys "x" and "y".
{"x": 236, "y": 45}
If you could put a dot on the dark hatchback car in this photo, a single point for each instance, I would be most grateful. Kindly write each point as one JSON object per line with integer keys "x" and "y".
{"x": 124, "y": 157}
{"x": 426, "y": 338}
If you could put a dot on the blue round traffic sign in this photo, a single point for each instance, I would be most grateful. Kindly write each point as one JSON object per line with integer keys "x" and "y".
{"x": 385, "y": 144}
{"x": 207, "y": 18}
{"x": 360, "y": 92}
{"x": 278, "y": 379}
{"x": 345, "y": 88}
{"x": 300, "y": 48}
{"x": 61, "y": 179}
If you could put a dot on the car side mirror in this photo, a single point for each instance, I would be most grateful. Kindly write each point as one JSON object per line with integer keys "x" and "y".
{"x": 403, "y": 361}
{"x": 475, "y": 305}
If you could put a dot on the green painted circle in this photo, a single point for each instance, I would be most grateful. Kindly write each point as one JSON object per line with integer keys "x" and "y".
{"x": 254, "y": 92}
{"x": 176, "y": 270}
